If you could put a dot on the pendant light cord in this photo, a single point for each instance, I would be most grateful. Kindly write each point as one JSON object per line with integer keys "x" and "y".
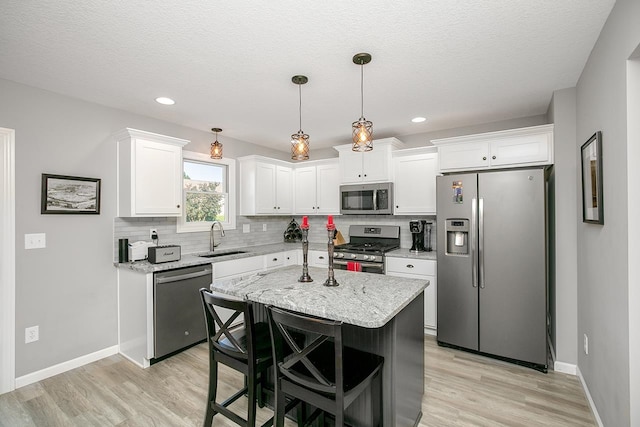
{"x": 361, "y": 90}
{"x": 300, "y": 108}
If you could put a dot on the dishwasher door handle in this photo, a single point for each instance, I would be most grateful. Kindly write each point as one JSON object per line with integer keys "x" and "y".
{"x": 169, "y": 279}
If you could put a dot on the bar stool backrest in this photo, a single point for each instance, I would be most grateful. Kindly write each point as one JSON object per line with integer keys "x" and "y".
{"x": 307, "y": 350}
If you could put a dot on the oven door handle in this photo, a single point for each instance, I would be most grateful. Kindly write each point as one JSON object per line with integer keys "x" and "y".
{"x": 379, "y": 266}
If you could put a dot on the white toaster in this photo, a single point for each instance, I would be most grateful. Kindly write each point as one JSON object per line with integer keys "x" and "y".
{"x": 139, "y": 250}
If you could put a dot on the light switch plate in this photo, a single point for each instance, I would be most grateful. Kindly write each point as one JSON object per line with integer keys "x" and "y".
{"x": 246, "y": 228}
{"x": 35, "y": 241}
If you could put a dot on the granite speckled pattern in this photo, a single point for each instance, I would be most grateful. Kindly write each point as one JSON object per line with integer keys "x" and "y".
{"x": 188, "y": 260}
{"x": 406, "y": 253}
{"x": 362, "y": 299}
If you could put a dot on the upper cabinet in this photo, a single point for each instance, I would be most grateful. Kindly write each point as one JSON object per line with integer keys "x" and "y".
{"x": 149, "y": 174}
{"x": 266, "y": 186}
{"x": 414, "y": 180}
{"x": 370, "y": 166}
{"x": 529, "y": 146}
{"x": 317, "y": 188}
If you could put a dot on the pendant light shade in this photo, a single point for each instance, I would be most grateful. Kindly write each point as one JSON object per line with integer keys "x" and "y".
{"x": 362, "y": 130}
{"x": 216, "y": 147}
{"x": 300, "y": 140}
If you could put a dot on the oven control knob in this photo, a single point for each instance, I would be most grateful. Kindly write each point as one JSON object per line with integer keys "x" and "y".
{"x": 340, "y": 255}
{"x": 353, "y": 256}
{"x": 366, "y": 257}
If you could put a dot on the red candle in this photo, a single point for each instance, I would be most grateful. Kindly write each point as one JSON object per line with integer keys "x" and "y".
{"x": 305, "y": 222}
{"x": 330, "y": 225}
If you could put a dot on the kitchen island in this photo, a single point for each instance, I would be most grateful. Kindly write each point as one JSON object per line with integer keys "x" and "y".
{"x": 381, "y": 315}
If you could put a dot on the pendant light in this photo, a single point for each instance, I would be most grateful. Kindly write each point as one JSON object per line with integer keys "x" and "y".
{"x": 300, "y": 140}
{"x": 362, "y": 130}
{"x": 216, "y": 147}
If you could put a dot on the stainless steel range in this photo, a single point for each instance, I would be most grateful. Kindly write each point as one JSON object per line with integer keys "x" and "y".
{"x": 366, "y": 248}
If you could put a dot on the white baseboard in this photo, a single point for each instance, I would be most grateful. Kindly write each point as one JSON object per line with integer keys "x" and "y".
{"x": 565, "y": 368}
{"x": 594, "y": 410}
{"x": 429, "y": 331}
{"x": 65, "y": 366}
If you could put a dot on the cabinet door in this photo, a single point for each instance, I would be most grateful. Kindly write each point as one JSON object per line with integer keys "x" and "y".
{"x": 464, "y": 156}
{"x": 318, "y": 258}
{"x": 284, "y": 190}
{"x": 265, "y": 188}
{"x": 350, "y": 167}
{"x": 375, "y": 165}
{"x": 415, "y": 184}
{"x": 521, "y": 150}
{"x": 430, "y": 303}
{"x": 328, "y": 189}
{"x": 305, "y": 190}
{"x": 157, "y": 174}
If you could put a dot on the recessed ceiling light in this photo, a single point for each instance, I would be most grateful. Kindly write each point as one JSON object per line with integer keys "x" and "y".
{"x": 418, "y": 119}
{"x": 165, "y": 101}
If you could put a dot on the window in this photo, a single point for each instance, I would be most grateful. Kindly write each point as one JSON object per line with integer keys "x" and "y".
{"x": 208, "y": 193}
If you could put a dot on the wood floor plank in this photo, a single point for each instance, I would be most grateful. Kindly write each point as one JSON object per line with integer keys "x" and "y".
{"x": 461, "y": 390}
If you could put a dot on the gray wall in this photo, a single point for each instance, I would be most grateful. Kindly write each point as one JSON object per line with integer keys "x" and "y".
{"x": 603, "y": 262}
{"x": 69, "y": 288}
{"x": 563, "y": 263}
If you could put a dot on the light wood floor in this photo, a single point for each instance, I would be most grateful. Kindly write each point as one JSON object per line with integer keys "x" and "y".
{"x": 461, "y": 389}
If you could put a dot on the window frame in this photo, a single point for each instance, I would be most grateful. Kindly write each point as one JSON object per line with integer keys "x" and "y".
{"x": 230, "y": 224}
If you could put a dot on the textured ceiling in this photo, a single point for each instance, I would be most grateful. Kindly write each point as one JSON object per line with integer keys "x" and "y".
{"x": 229, "y": 64}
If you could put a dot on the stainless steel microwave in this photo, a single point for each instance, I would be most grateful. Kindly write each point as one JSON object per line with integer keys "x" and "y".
{"x": 362, "y": 199}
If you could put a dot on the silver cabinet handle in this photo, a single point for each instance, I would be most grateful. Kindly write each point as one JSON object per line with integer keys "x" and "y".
{"x": 275, "y": 259}
{"x": 481, "y": 242}
{"x": 474, "y": 243}
{"x": 375, "y": 200}
{"x": 409, "y": 265}
{"x": 320, "y": 257}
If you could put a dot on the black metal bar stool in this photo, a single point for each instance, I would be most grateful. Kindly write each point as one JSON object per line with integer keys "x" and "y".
{"x": 245, "y": 347}
{"x": 322, "y": 372}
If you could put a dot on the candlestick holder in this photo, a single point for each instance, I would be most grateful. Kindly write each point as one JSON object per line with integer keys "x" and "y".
{"x": 331, "y": 280}
{"x": 305, "y": 249}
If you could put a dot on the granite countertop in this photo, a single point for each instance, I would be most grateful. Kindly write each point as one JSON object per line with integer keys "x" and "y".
{"x": 406, "y": 253}
{"x": 188, "y": 260}
{"x": 362, "y": 299}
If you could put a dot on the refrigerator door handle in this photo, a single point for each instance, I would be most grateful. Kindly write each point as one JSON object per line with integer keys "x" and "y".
{"x": 474, "y": 243}
{"x": 481, "y": 240}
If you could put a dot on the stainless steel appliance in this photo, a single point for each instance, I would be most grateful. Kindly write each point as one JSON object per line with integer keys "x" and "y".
{"x": 420, "y": 235}
{"x": 492, "y": 277}
{"x": 366, "y": 248}
{"x": 361, "y": 199}
{"x": 178, "y": 321}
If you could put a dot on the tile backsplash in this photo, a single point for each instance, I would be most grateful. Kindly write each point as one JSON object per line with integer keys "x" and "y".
{"x": 136, "y": 229}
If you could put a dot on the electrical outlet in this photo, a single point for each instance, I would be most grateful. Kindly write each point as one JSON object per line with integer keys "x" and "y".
{"x": 586, "y": 344}
{"x": 31, "y": 334}
{"x": 35, "y": 241}
{"x": 246, "y": 228}
{"x": 152, "y": 232}
{"x": 264, "y": 227}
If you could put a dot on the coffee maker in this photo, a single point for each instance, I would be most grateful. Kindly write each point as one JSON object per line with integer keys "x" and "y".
{"x": 420, "y": 233}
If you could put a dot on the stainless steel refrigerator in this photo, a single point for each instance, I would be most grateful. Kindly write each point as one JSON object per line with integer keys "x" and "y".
{"x": 492, "y": 263}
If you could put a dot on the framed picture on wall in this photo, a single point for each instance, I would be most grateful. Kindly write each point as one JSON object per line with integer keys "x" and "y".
{"x": 63, "y": 194}
{"x": 591, "y": 154}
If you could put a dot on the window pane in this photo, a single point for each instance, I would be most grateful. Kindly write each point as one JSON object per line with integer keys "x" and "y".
{"x": 205, "y": 172}
{"x": 205, "y": 207}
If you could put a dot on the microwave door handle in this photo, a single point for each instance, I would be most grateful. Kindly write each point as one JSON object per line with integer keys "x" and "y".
{"x": 375, "y": 200}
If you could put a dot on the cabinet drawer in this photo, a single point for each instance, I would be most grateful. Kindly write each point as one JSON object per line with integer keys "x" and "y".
{"x": 423, "y": 267}
{"x": 318, "y": 259}
{"x": 274, "y": 260}
{"x": 237, "y": 266}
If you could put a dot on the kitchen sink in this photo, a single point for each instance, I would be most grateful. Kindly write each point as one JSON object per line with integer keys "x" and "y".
{"x": 217, "y": 254}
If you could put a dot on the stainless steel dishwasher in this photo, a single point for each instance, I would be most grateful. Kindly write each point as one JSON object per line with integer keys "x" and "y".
{"x": 178, "y": 320}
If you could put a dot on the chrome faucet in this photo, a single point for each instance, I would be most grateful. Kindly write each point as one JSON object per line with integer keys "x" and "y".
{"x": 211, "y": 239}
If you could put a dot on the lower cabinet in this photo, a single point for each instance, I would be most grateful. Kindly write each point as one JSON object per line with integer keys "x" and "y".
{"x": 414, "y": 268}
{"x": 318, "y": 258}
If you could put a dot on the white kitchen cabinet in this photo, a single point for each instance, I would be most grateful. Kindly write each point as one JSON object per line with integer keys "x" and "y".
{"x": 317, "y": 188}
{"x": 266, "y": 186}
{"x": 317, "y": 258}
{"x": 529, "y": 146}
{"x": 414, "y": 268}
{"x": 149, "y": 174}
{"x": 371, "y": 166}
{"x": 281, "y": 259}
{"x": 414, "y": 188}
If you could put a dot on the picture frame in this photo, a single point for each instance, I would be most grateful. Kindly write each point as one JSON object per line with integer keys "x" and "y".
{"x": 592, "y": 195}
{"x": 62, "y": 194}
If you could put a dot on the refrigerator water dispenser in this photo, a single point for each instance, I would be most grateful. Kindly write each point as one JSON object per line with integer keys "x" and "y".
{"x": 457, "y": 236}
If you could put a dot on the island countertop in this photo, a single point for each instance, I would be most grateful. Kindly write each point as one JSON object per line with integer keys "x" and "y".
{"x": 362, "y": 299}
